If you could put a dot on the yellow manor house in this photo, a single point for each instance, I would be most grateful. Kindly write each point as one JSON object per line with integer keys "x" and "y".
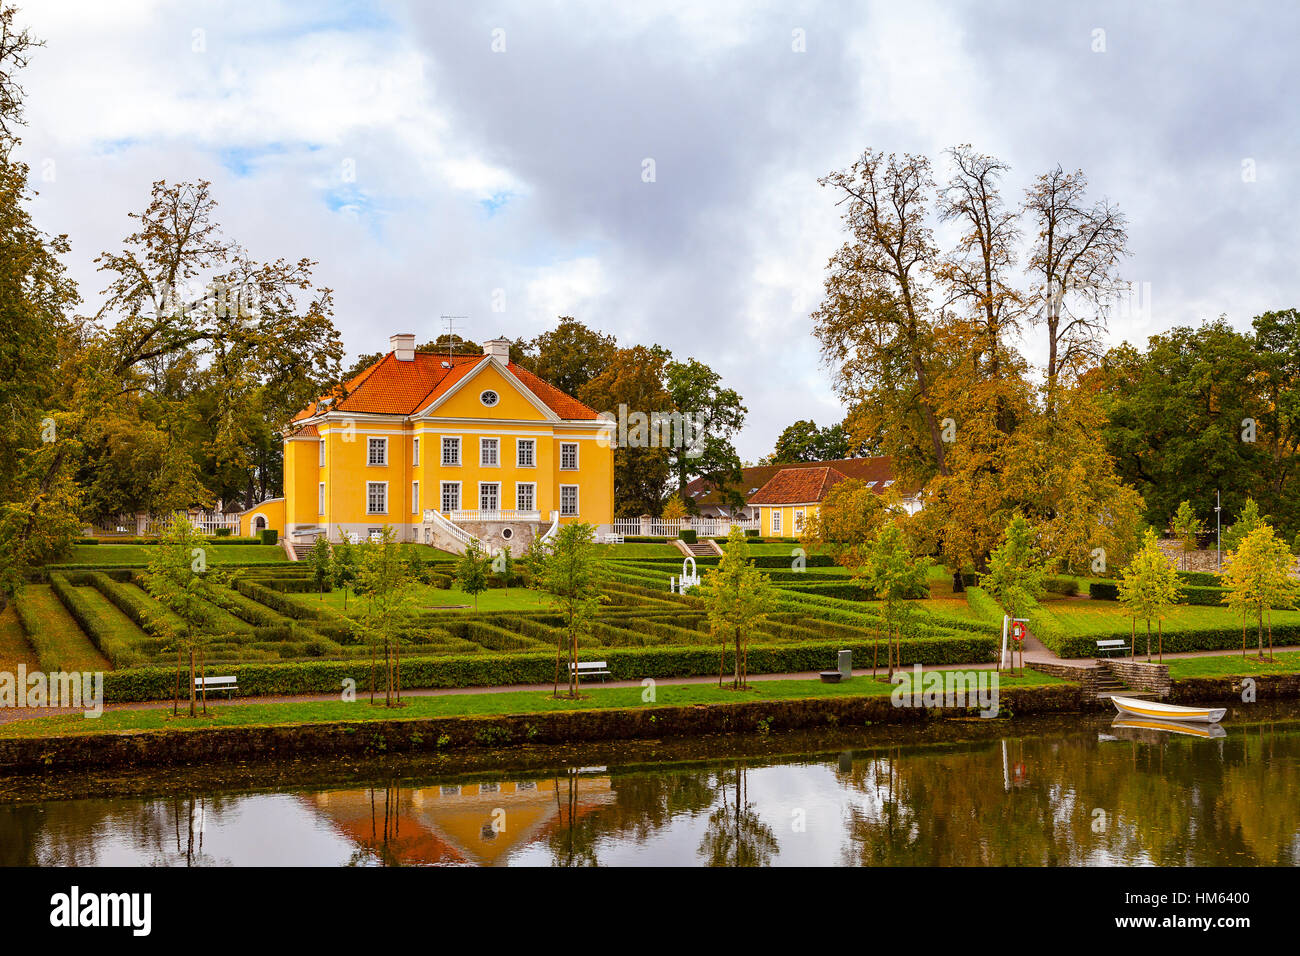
{"x": 443, "y": 449}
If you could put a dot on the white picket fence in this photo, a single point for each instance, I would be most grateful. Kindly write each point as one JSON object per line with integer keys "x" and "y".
{"x": 660, "y": 528}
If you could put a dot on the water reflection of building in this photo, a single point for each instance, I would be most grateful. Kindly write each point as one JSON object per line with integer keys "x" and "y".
{"x": 470, "y": 824}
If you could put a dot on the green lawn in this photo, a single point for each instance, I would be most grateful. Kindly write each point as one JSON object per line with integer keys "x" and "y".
{"x": 14, "y": 649}
{"x": 138, "y": 555}
{"x": 1088, "y": 618}
{"x": 1229, "y": 665}
{"x": 428, "y": 597}
{"x": 454, "y": 705}
{"x": 72, "y": 648}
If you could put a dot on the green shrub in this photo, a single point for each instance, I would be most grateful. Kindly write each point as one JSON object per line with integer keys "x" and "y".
{"x": 223, "y": 532}
{"x": 688, "y": 535}
{"x": 486, "y": 670}
{"x": 753, "y": 533}
{"x": 111, "y": 643}
{"x": 1201, "y": 579}
{"x": 985, "y": 608}
{"x": 270, "y": 536}
{"x": 1061, "y": 585}
{"x": 1103, "y": 590}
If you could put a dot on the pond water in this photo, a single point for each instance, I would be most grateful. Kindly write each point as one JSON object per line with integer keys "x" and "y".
{"x": 1077, "y": 792}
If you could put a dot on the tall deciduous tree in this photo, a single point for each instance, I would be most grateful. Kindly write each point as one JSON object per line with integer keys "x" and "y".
{"x": 384, "y": 577}
{"x": 38, "y": 346}
{"x": 569, "y": 355}
{"x": 179, "y": 579}
{"x": 634, "y": 379}
{"x": 1016, "y": 569}
{"x": 804, "y": 441}
{"x": 1077, "y": 251}
{"x": 891, "y": 573}
{"x": 706, "y": 451}
{"x": 571, "y": 574}
{"x": 738, "y": 598}
{"x": 1186, "y": 527}
{"x": 1148, "y": 588}
{"x": 1258, "y": 578}
{"x": 875, "y": 322}
{"x": 472, "y": 571}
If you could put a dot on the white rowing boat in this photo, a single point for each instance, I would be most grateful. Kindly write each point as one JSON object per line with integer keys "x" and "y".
{"x": 1153, "y": 708}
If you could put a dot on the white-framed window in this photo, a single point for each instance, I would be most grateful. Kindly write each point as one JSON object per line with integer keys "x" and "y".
{"x": 450, "y": 496}
{"x": 568, "y": 456}
{"x": 376, "y": 497}
{"x": 798, "y": 520}
{"x": 489, "y": 398}
{"x": 320, "y": 498}
{"x": 377, "y": 451}
{"x": 415, "y": 452}
{"x": 489, "y": 452}
{"x": 321, "y": 453}
{"x": 776, "y": 521}
{"x": 526, "y": 449}
{"x": 489, "y": 496}
{"x": 525, "y": 495}
{"x": 415, "y": 497}
{"x": 568, "y": 499}
{"x": 450, "y": 450}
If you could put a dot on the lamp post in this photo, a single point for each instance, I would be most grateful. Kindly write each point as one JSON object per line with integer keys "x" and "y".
{"x": 1218, "y": 534}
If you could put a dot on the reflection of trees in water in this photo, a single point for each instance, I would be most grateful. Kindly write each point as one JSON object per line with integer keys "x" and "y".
{"x": 1077, "y": 800}
{"x": 643, "y": 804}
{"x": 73, "y": 832}
{"x": 385, "y": 845}
{"x": 737, "y": 835}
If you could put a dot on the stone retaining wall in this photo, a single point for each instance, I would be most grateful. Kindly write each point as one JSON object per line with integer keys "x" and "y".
{"x": 446, "y": 734}
{"x": 1141, "y": 675}
{"x": 1088, "y": 676}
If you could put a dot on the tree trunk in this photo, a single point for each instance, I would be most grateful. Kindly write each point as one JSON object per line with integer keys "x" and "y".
{"x": 176, "y": 694}
{"x": 194, "y": 703}
{"x": 203, "y": 673}
{"x": 1160, "y": 640}
{"x": 1148, "y": 640}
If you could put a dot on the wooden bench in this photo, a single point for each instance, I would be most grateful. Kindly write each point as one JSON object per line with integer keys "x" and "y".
{"x": 208, "y": 684}
{"x": 591, "y": 669}
{"x": 1105, "y": 647}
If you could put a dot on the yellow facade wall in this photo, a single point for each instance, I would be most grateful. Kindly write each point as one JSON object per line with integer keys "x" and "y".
{"x": 790, "y": 524}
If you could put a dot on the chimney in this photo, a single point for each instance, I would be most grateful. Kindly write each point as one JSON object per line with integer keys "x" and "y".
{"x": 498, "y": 349}
{"x": 403, "y": 346}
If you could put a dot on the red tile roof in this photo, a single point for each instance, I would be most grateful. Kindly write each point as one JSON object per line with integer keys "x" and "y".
{"x": 796, "y": 486}
{"x": 390, "y": 387}
{"x": 876, "y": 472}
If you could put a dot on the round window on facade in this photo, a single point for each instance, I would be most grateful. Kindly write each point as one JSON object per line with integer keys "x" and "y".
{"x": 489, "y": 398}
{"x": 507, "y": 533}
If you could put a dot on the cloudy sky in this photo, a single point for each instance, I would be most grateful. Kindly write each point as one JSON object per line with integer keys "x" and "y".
{"x": 487, "y": 159}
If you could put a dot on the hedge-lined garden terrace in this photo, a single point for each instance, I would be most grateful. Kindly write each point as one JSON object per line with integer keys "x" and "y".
{"x": 273, "y": 627}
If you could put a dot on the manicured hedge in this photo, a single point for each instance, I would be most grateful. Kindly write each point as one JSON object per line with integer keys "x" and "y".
{"x": 1202, "y": 579}
{"x": 48, "y": 656}
{"x": 983, "y": 605}
{"x": 485, "y": 670}
{"x": 1103, "y": 590}
{"x": 119, "y": 652}
{"x": 213, "y": 539}
{"x": 1061, "y": 585}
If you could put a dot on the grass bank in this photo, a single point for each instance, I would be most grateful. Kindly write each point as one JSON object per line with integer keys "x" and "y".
{"x": 416, "y": 707}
